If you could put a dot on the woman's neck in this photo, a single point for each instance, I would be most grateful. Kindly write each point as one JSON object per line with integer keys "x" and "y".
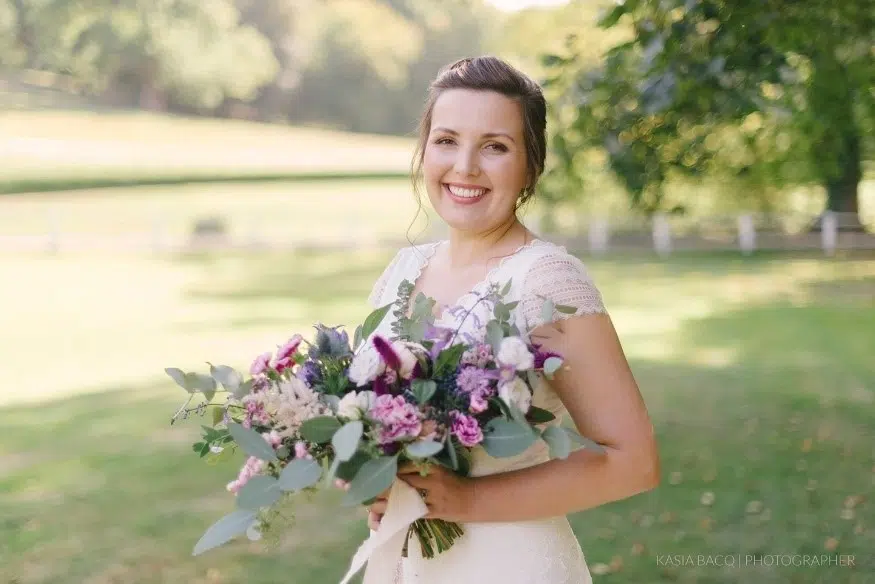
{"x": 468, "y": 249}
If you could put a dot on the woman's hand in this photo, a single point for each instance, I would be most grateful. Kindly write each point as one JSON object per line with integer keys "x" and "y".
{"x": 447, "y": 495}
{"x": 376, "y": 510}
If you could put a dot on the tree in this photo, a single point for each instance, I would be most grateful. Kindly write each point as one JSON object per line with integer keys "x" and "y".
{"x": 769, "y": 92}
{"x": 193, "y": 52}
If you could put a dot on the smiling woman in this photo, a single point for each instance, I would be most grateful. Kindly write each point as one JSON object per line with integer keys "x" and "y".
{"x": 481, "y": 151}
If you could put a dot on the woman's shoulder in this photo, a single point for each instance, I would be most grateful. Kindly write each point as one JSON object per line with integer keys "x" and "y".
{"x": 551, "y": 272}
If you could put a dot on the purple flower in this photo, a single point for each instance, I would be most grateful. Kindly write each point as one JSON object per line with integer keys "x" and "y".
{"x": 387, "y": 352}
{"x": 466, "y": 429}
{"x": 331, "y": 342}
{"x": 542, "y": 356}
{"x": 397, "y": 418}
{"x": 472, "y": 379}
{"x": 309, "y": 373}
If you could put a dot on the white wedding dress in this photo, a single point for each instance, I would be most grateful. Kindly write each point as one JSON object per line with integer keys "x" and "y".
{"x": 522, "y": 552}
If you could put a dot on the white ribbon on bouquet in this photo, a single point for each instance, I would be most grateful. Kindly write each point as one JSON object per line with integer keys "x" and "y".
{"x": 382, "y": 550}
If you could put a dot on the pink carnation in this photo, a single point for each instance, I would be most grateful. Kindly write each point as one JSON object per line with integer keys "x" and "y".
{"x": 301, "y": 450}
{"x": 466, "y": 429}
{"x": 252, "y": 467}
{"x": 287, "y": 350}
{"x": 260, "y": 364}
{"x": 398, "y": 419}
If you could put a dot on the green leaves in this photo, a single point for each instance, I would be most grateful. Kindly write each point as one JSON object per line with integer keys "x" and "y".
{"x": 494, "y": 335}
{"x": 423, "y": 390}
{"x": 448, "y": 360}
{"x": 423, "y": 449}
{"x": 374, "y": 477}
{"x": 193, "y": 382}
{"x": 373, "y": 321}
{"x": 252, "y": 442}
{"x": 259, "y": 491}
{"x": 320, "y": 429}
{"x": 558, "y": 441}
{"x": 224, "y": 530}
{"x": 228, "y": 377}
{"x": 504, "y": 438}
{"x": 346, "y": 440}
{"x": 551, "y": 366}
{"x": 584, "y": 441}
{"x": 547, "y": 310}
{"x": 299, "y": 474}
{"x": 537, "y": 415}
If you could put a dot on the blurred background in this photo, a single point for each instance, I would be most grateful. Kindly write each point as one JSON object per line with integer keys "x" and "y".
{"x": 194, "y": 180}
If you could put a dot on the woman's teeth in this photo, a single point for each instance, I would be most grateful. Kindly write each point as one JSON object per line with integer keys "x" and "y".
{"x": 466, "y": 193}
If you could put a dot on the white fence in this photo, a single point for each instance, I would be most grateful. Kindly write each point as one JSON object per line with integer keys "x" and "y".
{"x": 661, "y": 235}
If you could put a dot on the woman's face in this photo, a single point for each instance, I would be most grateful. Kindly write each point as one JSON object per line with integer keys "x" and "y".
{"x": 474, "y": 164}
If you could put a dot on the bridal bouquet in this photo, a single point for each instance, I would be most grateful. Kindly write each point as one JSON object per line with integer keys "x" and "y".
{"x": 356, "y": 411}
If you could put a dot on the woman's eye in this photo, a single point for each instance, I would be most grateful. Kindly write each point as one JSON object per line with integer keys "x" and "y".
{"x": 443, "y": 141}
{"x": 497, "y": 147}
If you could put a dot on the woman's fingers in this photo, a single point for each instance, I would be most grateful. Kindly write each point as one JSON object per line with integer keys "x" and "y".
{"x": 374, "y": 520}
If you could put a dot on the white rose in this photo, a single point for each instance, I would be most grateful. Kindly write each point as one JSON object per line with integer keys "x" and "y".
{"x": 365, "y": 400}
{"x": 516, "y": 393}
{"x": 366, "y": 366}
{"x": 405, "y": 352}
{"x": 348, "y": 407}
{"x": 354, "y": 404}
{"x": 513, "y": 352}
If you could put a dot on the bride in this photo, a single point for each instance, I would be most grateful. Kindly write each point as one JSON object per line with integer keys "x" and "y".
{"x": 481, "y": 150}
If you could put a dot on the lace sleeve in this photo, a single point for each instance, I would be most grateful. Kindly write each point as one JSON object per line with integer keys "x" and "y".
{"x": 563, "y": 279}
{"x": 375, "y": 299}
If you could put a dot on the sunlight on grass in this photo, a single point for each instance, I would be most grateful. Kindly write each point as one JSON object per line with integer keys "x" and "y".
{"x": 757, "y": 371}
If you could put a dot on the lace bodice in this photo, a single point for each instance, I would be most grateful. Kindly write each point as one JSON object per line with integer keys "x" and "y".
{"x": 530, "y": 552}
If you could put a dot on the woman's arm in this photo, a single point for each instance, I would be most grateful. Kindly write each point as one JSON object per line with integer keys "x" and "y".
{"x": 602, "y": 397}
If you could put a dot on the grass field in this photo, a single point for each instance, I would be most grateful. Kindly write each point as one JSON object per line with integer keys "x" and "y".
{"x": 759, "y": 374}
{"x": 51, "y": 147}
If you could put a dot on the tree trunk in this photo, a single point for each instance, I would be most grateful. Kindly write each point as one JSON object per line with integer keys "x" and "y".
{"x": 838, "y": 151}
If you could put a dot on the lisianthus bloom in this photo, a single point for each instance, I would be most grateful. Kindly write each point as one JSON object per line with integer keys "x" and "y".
{"x": 516, "y": 393}
{"x": 514, "y": 352}
{"x": 398, "y": 419}
{"x": 466, "y": 429}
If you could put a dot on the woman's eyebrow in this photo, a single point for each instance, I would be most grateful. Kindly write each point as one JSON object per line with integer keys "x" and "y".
{"x": 487, "y": 135}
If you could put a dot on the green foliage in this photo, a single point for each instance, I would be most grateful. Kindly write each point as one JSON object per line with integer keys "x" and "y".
{"x": 758, "y": 93}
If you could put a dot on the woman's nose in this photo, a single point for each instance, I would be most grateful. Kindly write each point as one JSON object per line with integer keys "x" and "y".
{"x": 466, "y": 162}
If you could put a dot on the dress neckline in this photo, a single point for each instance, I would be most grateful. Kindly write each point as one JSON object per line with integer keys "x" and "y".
{"x": 425, "y": 258}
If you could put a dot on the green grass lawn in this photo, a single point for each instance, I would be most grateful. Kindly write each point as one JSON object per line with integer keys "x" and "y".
{"x": 47, "y": 149}
{"x": 759, "y": 374}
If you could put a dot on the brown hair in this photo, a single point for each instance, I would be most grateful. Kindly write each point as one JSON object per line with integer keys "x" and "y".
{"x": 492, "y": 74}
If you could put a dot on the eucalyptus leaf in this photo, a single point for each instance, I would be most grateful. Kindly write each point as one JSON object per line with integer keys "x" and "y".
{"x": 228, "y": 377}
{"x": 259, "y": 491}
{"x": 565, "y": 309}
{"x": 584, "y": 441}
{"x": 218, "y": 414}
{"x": 178, "y": 376}
{"x": 244, "y": 389}
{"x": 494, "y": 335}
{"x": 551, "y": 366}
{"x": 357, "y": 338}
{"x": 423, "y": 449}
{"x": 423, "y": 390}
{"x": 252, "y": 442}
{"x": 374, "y": 477}
{"x": 502, "y": 313}
{"x": 299, "y": 474}
{"x": 547, "y": 311}
{"x": 224, "y": 530}
{"x": 506, "y": 289}
{"x": 347, "y": 470}
{"x": 332, "y": 471}
{"x": 320, "y": 429}
{"x": 503, "y": 438}
{"x": 373, "y": 321}
{"x": 558, "y": 441}
{"x": 332, "y": 401}
{"x": 537, "y": 415}
{"x": 452, "y": 454}
{"x": 346, "y": 440}
{"x": 512, "y": 305}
